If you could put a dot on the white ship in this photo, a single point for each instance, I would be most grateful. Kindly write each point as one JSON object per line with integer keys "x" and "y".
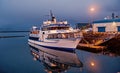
{"x": 56, "y": 35}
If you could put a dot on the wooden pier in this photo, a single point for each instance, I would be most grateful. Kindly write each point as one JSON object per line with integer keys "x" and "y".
{"x": 92, "y": 46}
{"x": 99, "y": 42}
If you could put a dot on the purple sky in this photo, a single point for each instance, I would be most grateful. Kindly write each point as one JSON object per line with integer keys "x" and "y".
{"x": 34, "y": 11}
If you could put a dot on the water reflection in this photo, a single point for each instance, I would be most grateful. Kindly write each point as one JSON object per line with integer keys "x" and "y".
{"x": 99, "y": 62}
{"x": 54, "y": 60}
{"x": 60, "y": 61}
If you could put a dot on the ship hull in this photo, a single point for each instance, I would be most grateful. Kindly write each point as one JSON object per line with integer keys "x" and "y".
{"x": 67, "y": 45}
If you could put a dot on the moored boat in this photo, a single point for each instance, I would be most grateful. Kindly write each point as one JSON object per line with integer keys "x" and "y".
{"x": 53, "y": 34}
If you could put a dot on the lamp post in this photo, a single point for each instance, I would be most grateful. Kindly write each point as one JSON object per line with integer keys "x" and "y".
{"x": 92, "y": 11}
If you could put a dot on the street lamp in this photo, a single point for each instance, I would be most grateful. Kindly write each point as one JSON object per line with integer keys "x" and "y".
{"x": 92, "y": 9}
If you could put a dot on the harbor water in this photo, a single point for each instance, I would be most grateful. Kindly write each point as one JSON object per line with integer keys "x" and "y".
{"x": 16, "y": 57}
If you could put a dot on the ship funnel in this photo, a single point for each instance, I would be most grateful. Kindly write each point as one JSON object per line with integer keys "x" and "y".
{"x": 52, "y": 17}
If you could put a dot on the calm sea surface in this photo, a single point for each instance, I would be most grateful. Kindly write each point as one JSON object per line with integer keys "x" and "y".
{"x": 15, "y": 57}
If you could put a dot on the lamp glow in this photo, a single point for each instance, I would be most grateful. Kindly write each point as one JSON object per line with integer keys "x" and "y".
{"x": 92, "y": 64}
{"x": 92, "y": 9}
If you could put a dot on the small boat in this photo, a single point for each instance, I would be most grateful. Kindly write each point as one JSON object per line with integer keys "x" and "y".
{"x": 53, "y": 34}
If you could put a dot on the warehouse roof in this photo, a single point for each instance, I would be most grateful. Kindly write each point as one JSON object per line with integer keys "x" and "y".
{"x": 107, "y": 20}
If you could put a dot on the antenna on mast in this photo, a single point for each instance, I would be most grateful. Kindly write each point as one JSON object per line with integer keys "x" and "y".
{"x": 51, "y": 14}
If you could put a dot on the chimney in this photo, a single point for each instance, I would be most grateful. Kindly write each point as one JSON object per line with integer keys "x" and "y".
{"x": 113, "y": 15}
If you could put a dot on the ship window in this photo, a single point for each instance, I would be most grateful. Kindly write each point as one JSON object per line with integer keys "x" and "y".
{"x": 44, "y": 29}
{"x": 63, "y": 35}
{"x": 118, "y": 28}
{"x": 58, "y": 28}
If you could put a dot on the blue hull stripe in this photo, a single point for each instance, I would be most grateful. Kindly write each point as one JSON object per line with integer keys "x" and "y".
{"x": 72, "y": 50}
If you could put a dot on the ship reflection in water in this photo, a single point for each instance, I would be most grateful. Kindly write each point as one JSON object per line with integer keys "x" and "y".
{"x": 55, "y": 60}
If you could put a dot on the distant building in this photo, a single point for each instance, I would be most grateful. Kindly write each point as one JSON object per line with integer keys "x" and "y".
{"x": 107, "y": 25}
{"x": 83, "y": 25}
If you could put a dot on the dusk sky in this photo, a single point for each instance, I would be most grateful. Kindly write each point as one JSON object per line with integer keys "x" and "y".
{"x": 35, "y": 11}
